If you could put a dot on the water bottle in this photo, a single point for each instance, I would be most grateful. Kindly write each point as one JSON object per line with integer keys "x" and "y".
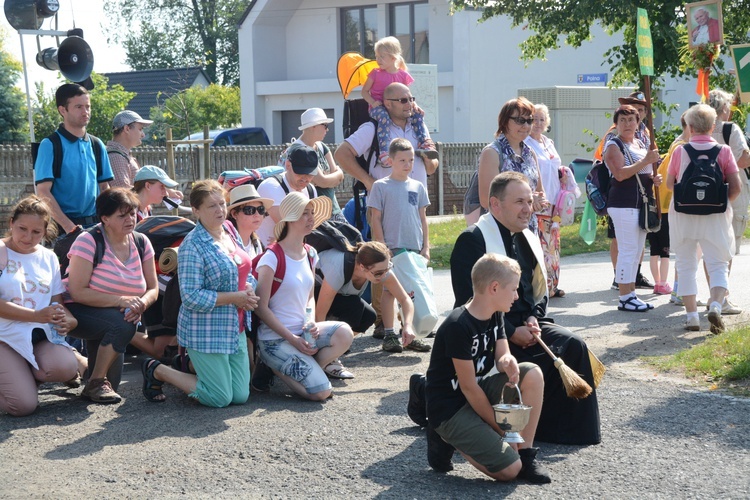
{"x": 595, "y": 196}
{"x": 307, "y": 328}
{"x": 54, "y": 337}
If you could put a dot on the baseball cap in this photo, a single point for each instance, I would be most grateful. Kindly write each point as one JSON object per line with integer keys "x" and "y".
{"x": 126, "y": 118}
{"x": 304, "y": 160}
{"x": 152, "y": 173}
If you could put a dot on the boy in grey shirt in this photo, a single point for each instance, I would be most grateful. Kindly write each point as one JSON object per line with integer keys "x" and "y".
{"x": 399, "y": 219}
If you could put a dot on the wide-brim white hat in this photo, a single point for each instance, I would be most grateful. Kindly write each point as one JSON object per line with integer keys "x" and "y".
{"x": 312, "y": 117}
{"x": 294, "y": 204}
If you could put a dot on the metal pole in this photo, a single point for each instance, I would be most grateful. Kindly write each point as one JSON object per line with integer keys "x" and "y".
{"x": 28, "y": 96}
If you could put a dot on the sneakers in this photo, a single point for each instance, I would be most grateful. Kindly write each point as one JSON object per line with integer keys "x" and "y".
{"x": 676, "y": 300}
{"x": 729, "y": 308}
{"x": 100, "y": 391}
{"x": 615, "y": 286}
{"x": 642, "y": 282}
{"x": 531, "y": 470}
{"x": 391, "y": 343}
{"x": 693, "y": 324}
{"x": 379, "y": 332}
{"x": 419, "y": 346}
{"x": 417, "y": 406}
{"x": 663, "y": 289}
{"x": 430, "y": 154}
{"x": 262, "y": 378}
{"x": 714, "y": 317}
{"x": 439, "y": 453}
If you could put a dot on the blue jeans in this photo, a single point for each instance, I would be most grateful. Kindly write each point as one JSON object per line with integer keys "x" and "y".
{"x": 284, "y": 358}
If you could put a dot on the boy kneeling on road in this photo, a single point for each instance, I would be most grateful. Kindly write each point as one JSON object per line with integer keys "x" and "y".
{"x": 460, "y": 391}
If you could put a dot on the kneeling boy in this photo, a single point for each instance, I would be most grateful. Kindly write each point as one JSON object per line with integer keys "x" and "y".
{"x": 459, "y": 394}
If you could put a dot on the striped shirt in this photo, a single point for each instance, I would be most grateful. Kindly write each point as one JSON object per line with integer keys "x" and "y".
{"x": 111, "y": 276}
{"x": 204, "y": 271}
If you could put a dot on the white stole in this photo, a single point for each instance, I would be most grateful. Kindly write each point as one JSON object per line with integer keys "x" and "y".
{"x": 493, "y": 242}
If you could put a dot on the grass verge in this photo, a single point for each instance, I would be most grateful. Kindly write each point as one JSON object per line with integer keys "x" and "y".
{"x": 720, "y": 362}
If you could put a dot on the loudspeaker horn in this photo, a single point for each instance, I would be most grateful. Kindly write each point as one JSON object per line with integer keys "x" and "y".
{"x": 29, "y": 14}
{"x": 73, "y": 58}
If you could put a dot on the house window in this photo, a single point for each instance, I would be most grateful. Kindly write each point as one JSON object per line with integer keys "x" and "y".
{"x": 409, "y": 23}
{"x": 359, "y": 30}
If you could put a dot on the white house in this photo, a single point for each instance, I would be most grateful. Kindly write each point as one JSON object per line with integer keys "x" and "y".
{"x": 289, "y": 49}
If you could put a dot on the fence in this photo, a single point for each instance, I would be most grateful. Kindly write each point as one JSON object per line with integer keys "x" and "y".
{"x": 457, "y": 162}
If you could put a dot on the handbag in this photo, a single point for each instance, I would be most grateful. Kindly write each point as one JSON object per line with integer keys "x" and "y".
{"x": 649, "y": 218}
{"x": 412, "y": 273}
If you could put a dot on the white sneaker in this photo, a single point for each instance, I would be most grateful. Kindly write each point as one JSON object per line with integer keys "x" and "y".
{"x": 729, "y": 308}
{"x": 693, "y": 324}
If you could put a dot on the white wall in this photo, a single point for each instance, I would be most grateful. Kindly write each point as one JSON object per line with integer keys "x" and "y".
{"x": 289, "y": 50}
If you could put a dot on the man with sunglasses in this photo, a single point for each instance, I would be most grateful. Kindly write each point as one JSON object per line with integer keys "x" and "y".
{"x": 400, "y": 105}
{"x": 301, "y": 166}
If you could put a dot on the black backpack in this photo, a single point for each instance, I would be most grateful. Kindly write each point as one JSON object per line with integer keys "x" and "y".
{"x": 334, "y": 234}
{"x": 701, "y": 190}
{"x": 357, "y": 113}
{"x": 310, "y": 192}
{"x": 96, "y": 233}
{"x": 598, "y": 181}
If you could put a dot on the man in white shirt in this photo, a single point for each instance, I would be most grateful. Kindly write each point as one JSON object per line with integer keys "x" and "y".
{"x": 301, "y": 166}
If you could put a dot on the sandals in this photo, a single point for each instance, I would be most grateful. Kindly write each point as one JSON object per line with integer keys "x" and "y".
{"x": 151, "y": 386}
{"x": 181, "y": 363}
{"x": 336, "y": 369}
{"x": 634, "y": 304}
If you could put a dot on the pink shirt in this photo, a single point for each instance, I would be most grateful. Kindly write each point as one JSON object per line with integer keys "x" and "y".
{"x": 111, "y": 276}
{"x": 680, "y": 159}
{"x": 381, "y": 79}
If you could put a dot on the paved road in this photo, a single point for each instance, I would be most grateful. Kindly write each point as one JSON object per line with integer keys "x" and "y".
{"x": 663, "y": 437}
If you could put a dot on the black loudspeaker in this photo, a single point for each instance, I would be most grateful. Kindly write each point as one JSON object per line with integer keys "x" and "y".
{"x": 29, "y": 14}
{"x": 73, "y": 58}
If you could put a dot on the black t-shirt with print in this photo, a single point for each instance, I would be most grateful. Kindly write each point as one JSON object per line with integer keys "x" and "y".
{"x": 461, "y": 336}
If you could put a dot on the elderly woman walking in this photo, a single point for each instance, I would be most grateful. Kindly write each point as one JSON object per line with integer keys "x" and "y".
{"x": 630, "y": 162}
{"x": 713, "y": 232}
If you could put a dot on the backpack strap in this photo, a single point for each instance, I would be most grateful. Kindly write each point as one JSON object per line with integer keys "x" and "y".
{"x": 140, "y": 244}
{"x": 57, "y": 154}
{"x": 281, "y": 183}
{"x": 349, "y": 261}
{"x": 726, "y": 131}
{"x": 117, "y": 152}
{"x": 278, "y": 275}
{"x": 98, "y": 235}
{"x": 98, "y": 147}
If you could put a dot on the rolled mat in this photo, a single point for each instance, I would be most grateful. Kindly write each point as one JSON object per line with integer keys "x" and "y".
{"x": 168, "y": 260}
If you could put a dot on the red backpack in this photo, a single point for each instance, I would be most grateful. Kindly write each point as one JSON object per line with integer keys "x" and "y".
{"x": 278, "y": 275}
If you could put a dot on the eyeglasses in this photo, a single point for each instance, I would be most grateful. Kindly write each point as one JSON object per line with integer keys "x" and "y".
{"x": 522, "y": 121}
{"x": 379, "y": 274}
{"x": 251, "y": 210}
{"x": 404, "y": 100}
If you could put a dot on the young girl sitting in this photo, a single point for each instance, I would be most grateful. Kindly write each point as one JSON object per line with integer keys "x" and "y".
{"x": 392, "y": 69}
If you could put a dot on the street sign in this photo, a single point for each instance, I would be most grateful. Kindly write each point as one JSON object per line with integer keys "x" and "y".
{"x": 741, "y": 57}
{"x": 644, "y": 45}
{"x": 593, "y": 78}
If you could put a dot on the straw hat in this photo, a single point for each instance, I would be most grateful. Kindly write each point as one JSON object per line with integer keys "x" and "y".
{"x": 292, "y": 206}
{"x": 245, "y": 194}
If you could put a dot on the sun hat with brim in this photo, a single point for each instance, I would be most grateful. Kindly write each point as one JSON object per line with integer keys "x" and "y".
{"x": 245, "y": 194}
{"x": 634, "y": 98}
{"x": 152, "y": 173}
{"x": 312, "y": 117}
{"x": 294, "y": 204}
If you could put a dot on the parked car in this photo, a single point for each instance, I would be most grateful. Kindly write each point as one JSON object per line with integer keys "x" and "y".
{"x": 243, "y": 136}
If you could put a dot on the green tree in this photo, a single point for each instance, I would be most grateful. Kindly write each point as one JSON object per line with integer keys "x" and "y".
{"x": 106, "y": 102}
{"x": 13, "y": 126}
{"x": 553, "y": 22}
{"x": 187, "y": 112}
{"x": 178, "y": 33}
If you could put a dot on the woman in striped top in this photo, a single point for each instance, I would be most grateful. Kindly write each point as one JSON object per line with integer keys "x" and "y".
{"x": 109, "y": 298}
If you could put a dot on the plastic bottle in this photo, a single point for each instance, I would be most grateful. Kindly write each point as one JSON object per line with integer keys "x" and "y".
{"x": 52, "y": 325}
{"x": 307, "y": 329}
{"x": 595, "y": 196}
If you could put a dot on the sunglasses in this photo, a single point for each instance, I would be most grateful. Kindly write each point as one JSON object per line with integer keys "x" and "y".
{"x": 325, "y": 125}
{"x": 251, "y": 210}
{"x": 379, "y": 274}
{"x": 404, "y": 100}
{"x": 522, "y": 121}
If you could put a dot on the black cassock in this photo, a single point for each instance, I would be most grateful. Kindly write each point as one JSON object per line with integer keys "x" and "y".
{"x": 563, "y": 420}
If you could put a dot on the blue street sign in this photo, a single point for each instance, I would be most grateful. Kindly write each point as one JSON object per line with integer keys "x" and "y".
{"x": 593, "y": 78}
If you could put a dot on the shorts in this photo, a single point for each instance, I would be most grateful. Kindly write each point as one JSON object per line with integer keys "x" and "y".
{"x": 472, "y": 436}
{"x": 284, "y": 358}
{"x": 658, "y": 242}
{"x": 610, "y": 228}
